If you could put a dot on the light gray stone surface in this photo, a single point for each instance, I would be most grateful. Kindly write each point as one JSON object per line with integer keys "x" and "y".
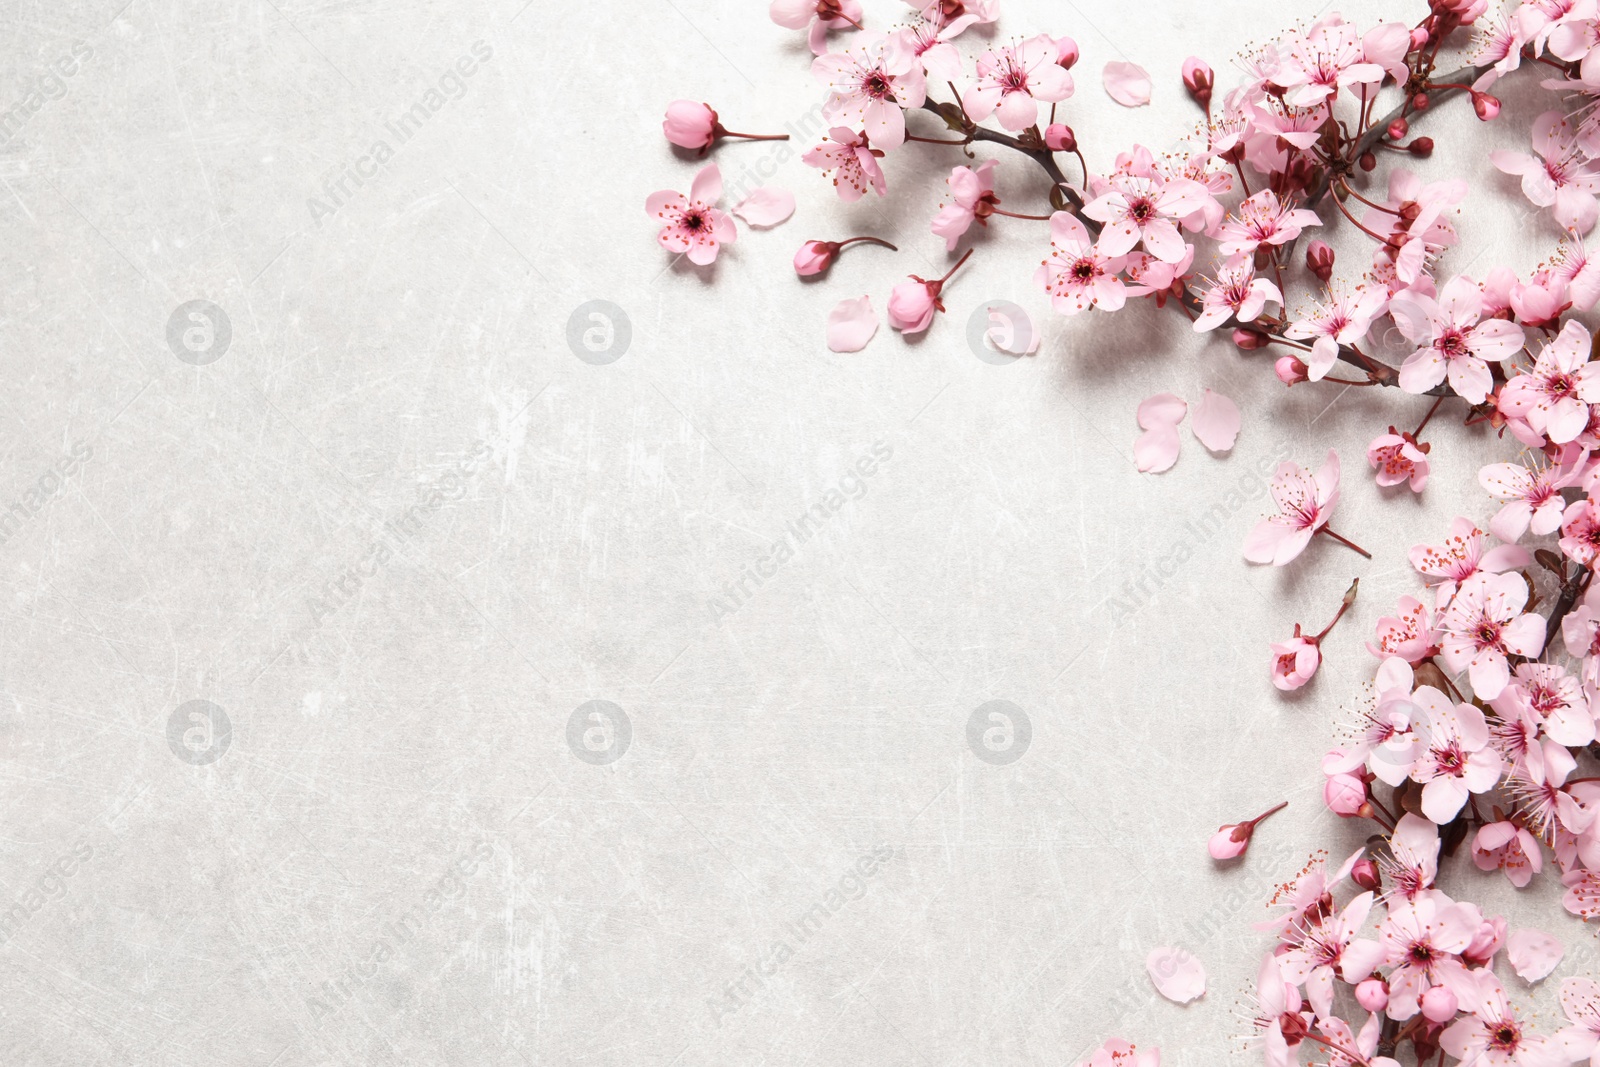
{"x": 399, "y": 533}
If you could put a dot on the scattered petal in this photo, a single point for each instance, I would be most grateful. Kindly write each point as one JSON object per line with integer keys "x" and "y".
{"x": 1012, "y": 331}
{"x": 767, "y": 206}
{"x": 1216, "y": 422}
{"x": 1156, "y": 450}
{"x": 1127, "y": 83}
{"x": 1177, "y": 975}
{"x": 1163, "y": 409}
{"x": 851, "y": 325}
{"x": 1533, "y": 954}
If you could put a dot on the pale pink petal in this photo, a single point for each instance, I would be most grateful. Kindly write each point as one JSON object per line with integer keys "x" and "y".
{"x": 767, "y": 206}
{"x": 1163, "y": 409}
{"x": 1216, "y": 422}
{"x": 1127, "y": 83}
{"x": 1533, "y": 954}
{"x": 1156, "y": 450}
{"x": 851, "y": 325}
{"x": 707, "y": 187}
{"x": 1177, "y": 975}
{"x": 1012, "y": 331}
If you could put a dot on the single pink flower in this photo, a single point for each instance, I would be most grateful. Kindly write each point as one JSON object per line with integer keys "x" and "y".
{"x": 1483, "y": 625}
{"x": 1344, "y": 320}
{"x": 1493, "y": 1036}
{"x": 1146, "y": 208}
{"x": 1399, "y": 458}
{"x": 1305, "y": 501}
{"x": 816, "y": 17}
{"x": 1011, "y": 81}
{"x": 1580, "y": 531}
{"x": 869, "y": 86}
{"x": 1408, "y": 635}
{"x": 1532, "y": 498}
{"x": 1505, "y": 846}
{"x": 1555, "y": 394}
{"x": 913, "y": 302}
{"x": 1580, "y": 1001}
{"x": 1316, "y": 65}
{"x": 973, "y": 200}
{"x": 955, "y": 16}
{"x": 1561, "y": 175}
{"x": 1457, "y": 760}
{"x": 1454, "y": 343}
{"x": 693, "y": 225}
{"x": 1422, "y": 939}
{"x": 1331, "y": 950}
{"x": 1236, "y": 293}
{"x": 1079, "y": 274}
{"x": 853, "y": 162}
{"x": 1462, "y": 555}
{"x": 1294, "y": 661}
{"x": 1263, "y": 219}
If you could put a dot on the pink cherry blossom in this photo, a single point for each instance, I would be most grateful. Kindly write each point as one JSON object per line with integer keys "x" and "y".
{"x": 1560, "y": 176}
{"x": 693, "y": 225}
{"x": 1236, "y": 293}
{"x": 1555, "y": 394}
{"x": 1011, "y": 81}
{"x": 974, "y": 200}
{"x": 1079, "y": 274}
{"x": 941, "y": 61}
{"x": 1116, "y": 1052}
{"x": 869, "y": 84}
{"x": 817, "y": 17}
{"x": 1493, "y": 1036}
{"x": 957, "y": 15}
{"x": 1532, "y": 498}
{"x": 1457, "y": 759}
{"x": 1462, "y": 554}
{"x": 1398, "y": 458}
{"x": 1320, "y": 63}
{"x": 1138, "y": 208}
{"x": 1455, "y": 344}
{"x": 853, "y": 162}
{"x": 1294, "y": 661}
{"x": 1483, "y": 625}
{"x": 1305, "y": 501}
{"x": 1263, "y": 220}
{"x": 1580, "y": 1002}
{"x": 1343, "y": 320}
{"x": 1331, "y": 950}
{"x": 1409, "y": 634}
{"x": 1422, "y": 939}
{"x": 1580, "y": 531}
{"x": 1507, "y": 847}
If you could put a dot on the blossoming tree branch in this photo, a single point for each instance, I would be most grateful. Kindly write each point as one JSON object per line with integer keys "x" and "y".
{"x": 1481, "y": 730}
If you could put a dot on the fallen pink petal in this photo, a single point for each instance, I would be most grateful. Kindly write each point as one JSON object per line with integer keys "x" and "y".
{"x": 1177, "y": 974}
{"x": 766, "y": 206}
{"x": 1533, "y": 954}
{"x": 1127, "y": 83}
{"x": 1216, "y": 422}
{"x": 851, "y": 324}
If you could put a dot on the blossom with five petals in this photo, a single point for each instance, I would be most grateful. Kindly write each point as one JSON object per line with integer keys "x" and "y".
{"x": 1485, "y": 624}
{"x": 1305, "y": 501}
{"x": 869, "y": 86}
{"x": 1454, "y": 343}
{"x": 692, "y": 225}
{"x": 1013, "y": 78}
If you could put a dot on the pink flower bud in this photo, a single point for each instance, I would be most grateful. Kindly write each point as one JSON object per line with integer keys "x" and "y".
{"x": 1059, "y": 137}
{"x": 1319, "y": 259}
{"x": 1295, "y": 661}
{"x": 1344, "y": 794}
{"x": 1290, "y": 370}
{"x": 1487, "y": 107}
{"x": 912, "y": 304}
{"x": 1366, "y": 875}
{"x": 690, "y": 125}
{"x": 1249, "y": 340}
{"x": 1398, "y": 129}
{"x": 1372, "y": 994}
{"x": 1231, "y": 840}
{"x": 1420, "y": 102}
{"x": 814, "y": 257}
{"x": 1422, "y": 147}
{"x": 1198, "y": 78}
{"x": 1486, "y": 942}
{"x": 1066, "y": 52}
{"x": 1439, "y": 1004}
{"x": 1419, "y": 37}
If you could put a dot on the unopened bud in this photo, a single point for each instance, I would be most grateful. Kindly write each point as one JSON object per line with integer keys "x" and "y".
{"x": 1487, "y": 107}
{"x": 1421, "y": 147}
{"x": 1198, "y": 78}
{"x": 1368, "y": 162}
{"x": 1290, "y": 370}
{"x": 1058, "y": 137}
{"x": 1398, "y": 129}
{"x": 1319, "y": 260}
{"x": 1365, "y": 874}
{"x": 1419, "y": 102}
{"x": 1250, "y": 339}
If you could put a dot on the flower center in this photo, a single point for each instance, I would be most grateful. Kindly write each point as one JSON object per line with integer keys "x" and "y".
{"x": 695, "y": 221}
{"x": 1084, "y": 270}
{"x": 1142, "y": 210}
{"x": 876, "y": 85}
{"x": 1451, "y": 344}
{"x": 1504, "y": 1037}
